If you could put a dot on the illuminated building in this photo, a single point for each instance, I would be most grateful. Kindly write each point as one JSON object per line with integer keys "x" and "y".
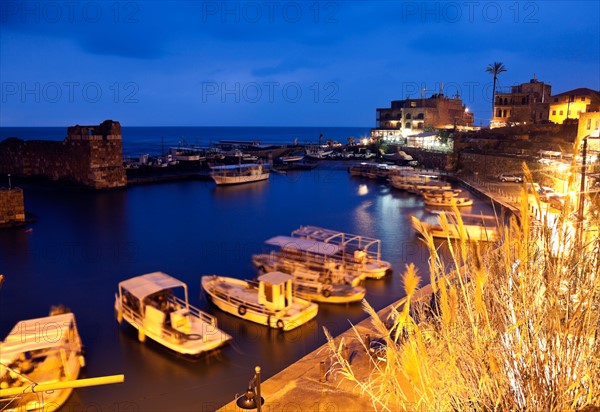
{"x": 411, "y": 117}
{"x": 570, "y": 104}
{"x": 525, "y": 104}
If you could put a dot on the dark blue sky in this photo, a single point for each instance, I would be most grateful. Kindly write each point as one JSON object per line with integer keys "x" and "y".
{"x": 273, "y": 63}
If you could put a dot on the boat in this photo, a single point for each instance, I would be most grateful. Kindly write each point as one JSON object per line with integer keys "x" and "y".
{"x": 317, "y": 151}
{"x": 39, "y": 352}
{"x": 359, "y": 253}
{"x": 475, "y": 229}
{"x": 240, "y": 173}
{"x": 156, "y": 304}
{"x": 291, "y": 158}
{"x": 271, "y": 302}
{"x": 291, "y": 254}
{"x": 308, "y": 284}
{"x": 446, "y": 199}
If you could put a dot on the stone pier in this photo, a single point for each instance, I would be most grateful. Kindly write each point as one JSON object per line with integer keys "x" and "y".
{"x": 12, "y": 207}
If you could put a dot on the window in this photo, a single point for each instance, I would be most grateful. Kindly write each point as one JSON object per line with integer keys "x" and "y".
{"x": 499, "y": 113}
{"x": 408, "y": 116}
{"x": 588, "y": 126}
{"x": 560, "y": 113}
{"x": 408, "y": 125}
{"x": 420, "y": 116}
{"x": 523, "y": 100}
{"x": 504, "y": 113}
{"x": 269, "y": 292}
{"x": 583, "y": 99}
{"x": 420, "y": 125}
{"x": 505, "y": 101}
{"x": 553, "y": 112}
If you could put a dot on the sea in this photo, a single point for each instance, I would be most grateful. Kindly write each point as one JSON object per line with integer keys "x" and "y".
{"x": 84, "y": 243}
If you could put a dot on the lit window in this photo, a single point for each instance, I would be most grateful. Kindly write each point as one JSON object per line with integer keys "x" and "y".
{"x": 560, "y": 113}
{"x": 553, "y": 112}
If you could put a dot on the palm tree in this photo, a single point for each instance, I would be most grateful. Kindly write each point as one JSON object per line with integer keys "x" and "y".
{"x": 496, "y": 68}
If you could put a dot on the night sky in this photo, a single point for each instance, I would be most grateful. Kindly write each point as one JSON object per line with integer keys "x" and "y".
{"x": 271, "y": 63}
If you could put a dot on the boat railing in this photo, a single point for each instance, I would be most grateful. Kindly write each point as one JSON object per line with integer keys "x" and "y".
{"x": 194, "y": 311}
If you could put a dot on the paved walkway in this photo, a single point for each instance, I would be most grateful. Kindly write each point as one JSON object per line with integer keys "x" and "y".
{"x": 303, "y": 387}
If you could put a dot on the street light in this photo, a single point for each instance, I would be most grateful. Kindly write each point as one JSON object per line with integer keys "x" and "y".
{"x": 251, "y": 399}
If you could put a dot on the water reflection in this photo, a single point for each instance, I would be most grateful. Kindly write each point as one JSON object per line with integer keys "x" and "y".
{"x": 241, "y": 190}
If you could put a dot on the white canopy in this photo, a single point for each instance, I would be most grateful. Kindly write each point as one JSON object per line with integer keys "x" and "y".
{"x": 35, "y": 334}
{"x": 145, "y": 285}
{"x": 304, "y": 245}
{"x": 275, "y": 278}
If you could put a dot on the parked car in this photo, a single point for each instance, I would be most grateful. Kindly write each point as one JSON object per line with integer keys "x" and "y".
{"x": 506, "y": 177}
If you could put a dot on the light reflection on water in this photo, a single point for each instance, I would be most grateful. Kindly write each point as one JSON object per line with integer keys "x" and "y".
{"x": 84, "y": 243}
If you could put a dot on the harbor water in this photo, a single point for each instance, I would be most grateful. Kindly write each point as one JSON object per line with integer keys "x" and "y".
{"x": 83, "y": 243}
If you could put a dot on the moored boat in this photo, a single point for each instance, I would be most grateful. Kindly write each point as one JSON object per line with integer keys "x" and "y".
{"x": 156, "y": 304}
{"x": 291, "y": 158}
{"x": 472, "y": 230}
{"x": 308, "y": 285}
{"x": 37, "y": 352}
{"x": 294, "y": 254}
{"x": 447, "y": 199}
{"x": 359, "y": 253}
{"x": 240, "y": 173}
{"x": 271, "y": 302}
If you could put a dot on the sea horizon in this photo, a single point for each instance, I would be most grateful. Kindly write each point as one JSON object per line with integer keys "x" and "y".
{"x": 155, "y": 139}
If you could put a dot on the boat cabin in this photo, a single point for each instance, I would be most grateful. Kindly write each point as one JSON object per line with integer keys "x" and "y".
{"x": 151, "y": 299}
{"x": 275, "y": 290}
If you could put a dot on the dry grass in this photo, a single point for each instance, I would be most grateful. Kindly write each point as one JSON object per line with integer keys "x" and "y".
{"x": 512, "y": 327}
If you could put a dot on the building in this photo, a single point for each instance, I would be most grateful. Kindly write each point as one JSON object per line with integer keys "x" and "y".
{"x": 570, "y": 104}
{"x": 414, "y": 116}
{"x": 89, "y": 155}
{"x": 526, "y": 103}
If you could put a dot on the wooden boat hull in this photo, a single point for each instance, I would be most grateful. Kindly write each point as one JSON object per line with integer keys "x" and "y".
{"x": 472, "y": 232}
{"x": 338, "y": 294}
{"x": 235, "y": 180}
{"x": 203, "y": 336}
{"x": 221, "y": 291}
{"x": 446, "y": 202}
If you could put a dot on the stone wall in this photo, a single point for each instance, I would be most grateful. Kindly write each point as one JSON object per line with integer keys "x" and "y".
{"x": 12, "y": 207}
{"x": 431, "y": 160}
{"x": 89, "y": 155}
{"x": 492, "y": 165}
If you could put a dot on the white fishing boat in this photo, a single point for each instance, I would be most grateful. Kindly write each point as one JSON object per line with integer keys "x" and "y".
{"x": 317, "y": 151}
{"x": 309, "y": 285}
{"x": 156, "y": 304}
{"x": 39, "y": 352}
{"x": 446, "y": 199}
{"x": 240, "y": 173}
{"x": 293, "y": 254}
{"x": 291, "y": 158}
{"x": 271, "y": 302}
{"x": 475, "y": 229}
{"x": 359, "y": 253}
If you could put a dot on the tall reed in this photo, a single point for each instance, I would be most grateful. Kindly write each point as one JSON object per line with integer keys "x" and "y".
{"x": 514, "y": 326}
